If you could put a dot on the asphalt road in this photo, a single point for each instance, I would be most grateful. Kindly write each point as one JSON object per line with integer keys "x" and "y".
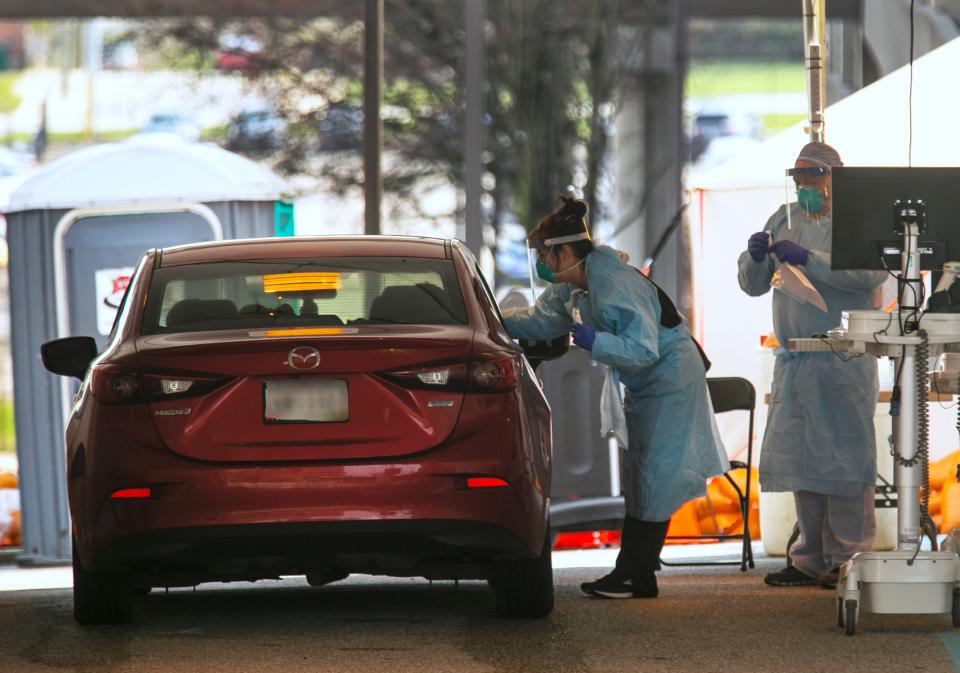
{"x": 705, "y": 620}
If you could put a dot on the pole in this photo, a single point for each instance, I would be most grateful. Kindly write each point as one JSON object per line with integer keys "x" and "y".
{"x": 372, "y": 126}
{"x": 908, "y": 477}
{"x": 474, "y": 18}
{"x": 815, "y": 54}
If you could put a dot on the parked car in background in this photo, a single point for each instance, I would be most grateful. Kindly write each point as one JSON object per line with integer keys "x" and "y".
{"x": 317, "y": 406}
{"x": 239, "y": 52}
{"x": 256, "y": 130}
{"x": 174, "y": 123}
{"x": 341, "y": 128}
{"x": 712, "y": 123}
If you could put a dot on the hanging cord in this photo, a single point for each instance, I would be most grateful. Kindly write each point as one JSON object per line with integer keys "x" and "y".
{"x": 910, "y": 93}
{"x": 923, "y": 434}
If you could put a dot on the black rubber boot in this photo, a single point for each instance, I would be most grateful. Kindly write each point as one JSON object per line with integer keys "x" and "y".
{"x": 639, "y": 558}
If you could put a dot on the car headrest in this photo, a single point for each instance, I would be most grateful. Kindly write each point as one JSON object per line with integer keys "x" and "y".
{"x": 412, "y": 304}
{"x": 196, "y": 310}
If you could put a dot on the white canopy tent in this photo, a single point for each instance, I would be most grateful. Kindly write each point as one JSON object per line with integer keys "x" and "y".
{"x": 869, "y": 128}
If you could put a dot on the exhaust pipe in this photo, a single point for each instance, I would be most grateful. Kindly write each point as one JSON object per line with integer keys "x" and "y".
{"x": 815, "y": 53}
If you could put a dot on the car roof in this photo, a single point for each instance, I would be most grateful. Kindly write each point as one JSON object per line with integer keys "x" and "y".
{"x": 304, "y": 246}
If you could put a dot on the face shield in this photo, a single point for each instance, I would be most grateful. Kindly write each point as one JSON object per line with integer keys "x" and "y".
{"x": 805, "y": 187}
{"x": 540, "y": 251}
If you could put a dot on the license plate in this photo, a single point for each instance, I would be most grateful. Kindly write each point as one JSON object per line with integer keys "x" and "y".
{"x": 305, "y": 401}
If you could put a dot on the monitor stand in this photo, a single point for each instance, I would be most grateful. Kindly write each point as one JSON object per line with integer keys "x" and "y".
{"x": 906, "y": 580}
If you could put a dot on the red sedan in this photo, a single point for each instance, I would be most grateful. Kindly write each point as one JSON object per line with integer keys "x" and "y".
{"x": 317, "y": 406}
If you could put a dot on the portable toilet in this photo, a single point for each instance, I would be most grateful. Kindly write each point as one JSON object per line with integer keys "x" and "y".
{"x": 75, "y": 231}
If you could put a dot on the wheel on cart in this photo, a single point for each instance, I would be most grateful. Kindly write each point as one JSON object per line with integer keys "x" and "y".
{"x": 851, "y": 617}
{"x": 840, "y": 622}
{"x": 955, "y": 614}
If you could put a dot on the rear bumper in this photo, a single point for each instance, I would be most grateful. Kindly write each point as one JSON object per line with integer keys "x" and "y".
{"x": 415, "y": 509}
{"x": 207, "y": 506}
{"x": 186, "y": 556}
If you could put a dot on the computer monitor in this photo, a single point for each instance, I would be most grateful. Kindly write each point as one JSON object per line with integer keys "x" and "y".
{"x": 864, "y": 236}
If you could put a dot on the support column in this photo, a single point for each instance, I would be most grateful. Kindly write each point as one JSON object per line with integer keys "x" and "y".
{"x": 372, "y": 126}
{"x": 650, "y": 144}
{"x": 474, "y": 18}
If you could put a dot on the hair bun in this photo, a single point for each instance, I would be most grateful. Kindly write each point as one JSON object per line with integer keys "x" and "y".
{"x": 571, "y": 207}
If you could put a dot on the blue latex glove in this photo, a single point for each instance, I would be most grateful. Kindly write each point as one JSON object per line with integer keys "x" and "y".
{"x": 788, "y": 251}
{"x": 758, "y": 246}
{"x": 584, "y": 336}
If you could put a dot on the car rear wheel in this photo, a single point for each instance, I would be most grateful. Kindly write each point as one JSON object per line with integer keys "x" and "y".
{"x": 100, "y": 598}
{"x": 524, "y": 587}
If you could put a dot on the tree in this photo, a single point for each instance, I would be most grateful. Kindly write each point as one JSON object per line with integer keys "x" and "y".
{"x": 550, "y": 82}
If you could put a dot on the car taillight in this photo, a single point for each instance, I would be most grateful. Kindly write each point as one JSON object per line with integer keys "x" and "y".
{"x": 160, "y": 387}
{"x": 485, "y": 374}
{"x": 449, "y": 376}
{"x": 493, "y": 374}
{"x": 111, "y": 384}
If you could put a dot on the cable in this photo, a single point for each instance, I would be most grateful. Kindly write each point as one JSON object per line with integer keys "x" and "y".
{"x": 936, "y": 390}
{"x": 910, "y": 94}
{"x": 883, "y": 331}
{"x": 823, "y": 337}
{"x": 923, "y": 435}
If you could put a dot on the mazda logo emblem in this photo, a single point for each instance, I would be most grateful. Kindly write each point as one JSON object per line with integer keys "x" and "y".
{"x": 304, "y": 357}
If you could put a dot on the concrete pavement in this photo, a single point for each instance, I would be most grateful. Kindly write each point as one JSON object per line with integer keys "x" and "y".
{"x": 707, "y": 619}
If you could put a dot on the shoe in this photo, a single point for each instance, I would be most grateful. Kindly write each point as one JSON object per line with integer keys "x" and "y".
{"x": 830, "y": 578}
{"x": 609, "y": 586}
{"x": 612, "y": 586}
{"x": 789, "y": 577}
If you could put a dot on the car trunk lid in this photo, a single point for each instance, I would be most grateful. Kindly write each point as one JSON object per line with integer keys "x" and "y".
{"x": 314, "y": 394}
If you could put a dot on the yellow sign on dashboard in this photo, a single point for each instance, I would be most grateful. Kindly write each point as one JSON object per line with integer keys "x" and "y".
{"x": 309, "y": 281}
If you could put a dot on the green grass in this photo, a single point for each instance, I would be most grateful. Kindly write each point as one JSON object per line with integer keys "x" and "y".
{"x": 722, "y": 78}
{"x": 211, "y": 134}
{"x": 74, "y": 137}
{"x": 214, "y": 134}
{"x": 7, "y": 434}
{"x": 775, "y": 122}
{"x": 9, "y": 101}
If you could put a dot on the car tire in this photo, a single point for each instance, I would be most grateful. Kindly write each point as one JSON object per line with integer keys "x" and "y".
{"x": 100, "y": 598}
{"x": 524, "y": 587}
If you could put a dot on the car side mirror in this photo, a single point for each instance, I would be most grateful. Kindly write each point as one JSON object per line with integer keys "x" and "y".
{"x": 70, "y": 356}
{"x": 541, "y": 351}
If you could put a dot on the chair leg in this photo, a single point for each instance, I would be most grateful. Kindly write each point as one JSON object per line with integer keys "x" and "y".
{"x": 747, "y": 553}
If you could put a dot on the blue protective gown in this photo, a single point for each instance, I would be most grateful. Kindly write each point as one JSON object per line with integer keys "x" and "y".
{"x": 672, "y": 445}
{"x": 820, "y": 434}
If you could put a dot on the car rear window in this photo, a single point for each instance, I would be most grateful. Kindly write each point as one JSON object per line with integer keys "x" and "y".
{"x": 326, "y": 292}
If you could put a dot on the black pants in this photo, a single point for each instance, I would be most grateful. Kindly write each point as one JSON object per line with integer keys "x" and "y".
{"x": 639, "y": 559}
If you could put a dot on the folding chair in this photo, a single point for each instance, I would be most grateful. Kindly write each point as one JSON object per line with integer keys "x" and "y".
{"x": 732, "y": 394}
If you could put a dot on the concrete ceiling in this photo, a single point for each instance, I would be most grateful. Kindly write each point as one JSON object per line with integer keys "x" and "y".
{"x": 22, "y": 9}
